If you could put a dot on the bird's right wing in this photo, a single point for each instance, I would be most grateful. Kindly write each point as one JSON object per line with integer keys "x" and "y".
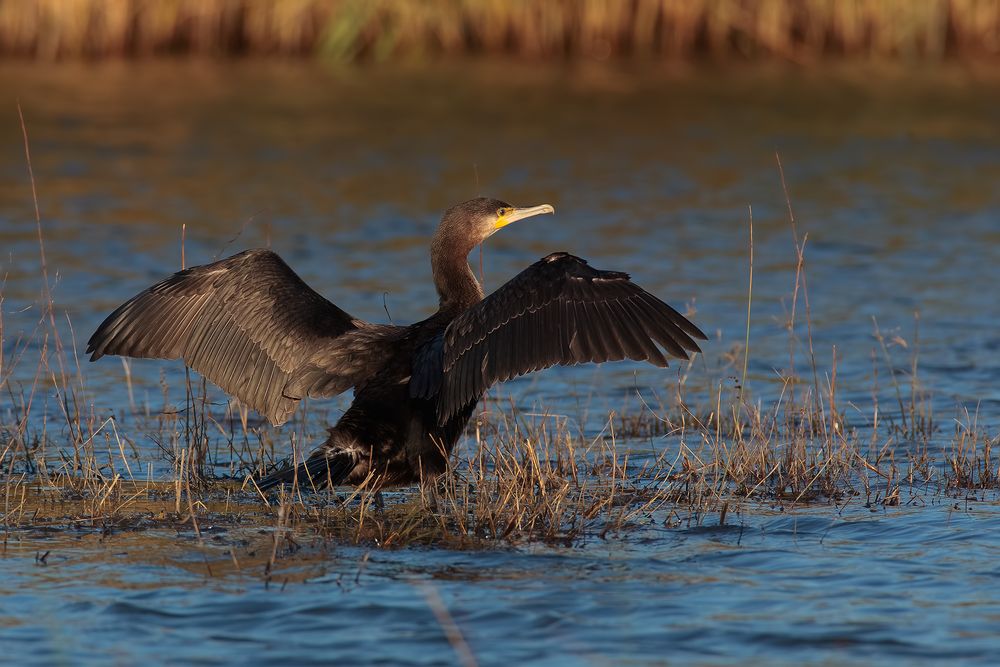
{"x": 557, "y": 311}
{"x": 247, "y": 323}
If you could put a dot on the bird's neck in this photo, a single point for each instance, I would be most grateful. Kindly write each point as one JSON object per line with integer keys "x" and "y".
{"x": 456, "y": 284}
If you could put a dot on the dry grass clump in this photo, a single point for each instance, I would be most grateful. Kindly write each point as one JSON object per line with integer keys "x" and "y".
{"x": 388, "y": 29}
{"x": 118, "y": 505}
{"x": 971, "y": 462}
{"x": 516, "y": 481}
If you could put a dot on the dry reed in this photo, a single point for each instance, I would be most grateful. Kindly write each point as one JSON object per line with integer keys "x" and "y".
{"x": 350, "y": 30}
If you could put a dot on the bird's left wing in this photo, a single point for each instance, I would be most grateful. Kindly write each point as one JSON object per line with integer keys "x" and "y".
{"x": 248, "y": 323}
{"x": 557, "y": 311}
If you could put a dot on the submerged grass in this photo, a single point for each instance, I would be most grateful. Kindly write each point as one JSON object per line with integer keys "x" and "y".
{"x": 515, "y": 478}
{"x": 352, "y": 30}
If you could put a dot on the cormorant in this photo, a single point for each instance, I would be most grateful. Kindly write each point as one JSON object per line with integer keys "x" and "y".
{"x": 249, "y": 324}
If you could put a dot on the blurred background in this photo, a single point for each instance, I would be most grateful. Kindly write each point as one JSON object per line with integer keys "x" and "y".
{"x": 383, "y": 30}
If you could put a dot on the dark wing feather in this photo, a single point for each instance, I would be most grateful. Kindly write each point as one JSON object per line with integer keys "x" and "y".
{"x": 425, "y": 380}
{"x": 247, "y": 323}
{"x": 319, "y": 470}
{"x": 557, "y": 311}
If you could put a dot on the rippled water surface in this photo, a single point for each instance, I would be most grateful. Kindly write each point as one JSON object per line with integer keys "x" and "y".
{"x": 893, "y": 177}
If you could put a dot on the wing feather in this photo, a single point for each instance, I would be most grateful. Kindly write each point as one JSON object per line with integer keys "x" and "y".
{"x": 641, "y": 347}
{"x": 248, "y": 323}
{"x": 237, "y": 362}
{"x": 672, "y": 320}
{"x": 679, "y": 342}
{"x": 588, "y": 346}
{"x": 574, "y": 349}
{"x": 611, "y": 332}
{"x": 657, "y": 329}
{"x": 557, "y": 311}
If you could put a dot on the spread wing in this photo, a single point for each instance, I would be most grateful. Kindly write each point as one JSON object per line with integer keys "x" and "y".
{"x": 557, "y": 311}
{"x": 247, "y": 323}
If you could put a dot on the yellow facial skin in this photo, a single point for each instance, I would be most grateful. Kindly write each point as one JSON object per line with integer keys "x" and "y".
{"x": 510, "y": 214}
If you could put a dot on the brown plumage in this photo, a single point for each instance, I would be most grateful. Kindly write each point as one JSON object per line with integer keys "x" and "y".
{"x": 253, "y": 327}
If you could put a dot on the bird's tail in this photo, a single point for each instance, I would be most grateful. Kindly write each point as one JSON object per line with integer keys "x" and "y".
{"x": 321, "y": 469}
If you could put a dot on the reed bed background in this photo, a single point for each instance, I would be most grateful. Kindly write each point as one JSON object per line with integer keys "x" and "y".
{"x": 366, "y": 30}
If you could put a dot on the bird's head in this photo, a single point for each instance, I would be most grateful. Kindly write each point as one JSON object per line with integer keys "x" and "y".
{"x": 478, "y": 219}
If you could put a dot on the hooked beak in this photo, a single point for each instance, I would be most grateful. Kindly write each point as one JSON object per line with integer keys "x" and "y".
{"x": 515, "y": 214}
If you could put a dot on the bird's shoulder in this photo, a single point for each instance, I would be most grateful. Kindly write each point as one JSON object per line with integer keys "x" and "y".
{"x": 550, "y": 278}
{"x": 554, "y": 270}
{"x": 254, "y": 266}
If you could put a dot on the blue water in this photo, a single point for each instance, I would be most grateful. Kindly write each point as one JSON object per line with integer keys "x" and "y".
{"x": 892, "y": 178}
{"x": 914, "y": 585}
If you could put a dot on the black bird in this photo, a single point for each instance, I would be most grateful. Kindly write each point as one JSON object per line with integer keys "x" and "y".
{"x": 250, "y": 325}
